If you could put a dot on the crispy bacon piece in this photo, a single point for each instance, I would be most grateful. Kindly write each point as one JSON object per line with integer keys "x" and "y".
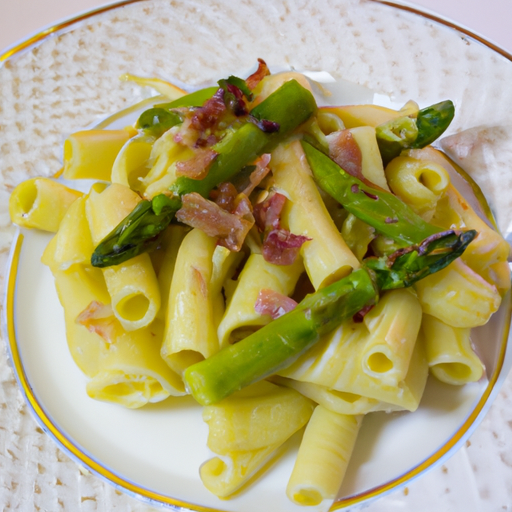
{"x": 281, "y": 247}
{"x": 268, "y": 213}
{"x": 243, "y": 208}
{"x": 198, "y": 212}
{"x": 99, "y": 318}
{"x": 198, "y": 166}
{"x": 275, "y": 304}
{"x": 264, "y": 124}
{"x": 235, "y": 100}
{"x": 225, "y": 196}
{"x": 359, "y": 316}
{"x": 258, "y": 75}
{"x": 206, "y": 116}
{"x": 256, "y": 177}
{"x": 344, "y": 150}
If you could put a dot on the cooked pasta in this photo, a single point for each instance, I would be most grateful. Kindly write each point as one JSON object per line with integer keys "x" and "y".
{"x": 90, "y": 154}
{"x": 418, "y": 183}
{"x": 326, "y": 256}
{"x": 251, "y": 254}
{"x": 240, "y": 317}
{"x": 41, "y": 203}
{"x": 458, "y": 296}
{"x": 323, "y": 456}
{"x": 133, "y": 286}
{"x": 450, "y": 356}
{"x": 371, "y": 163}
{"x": 190, "y": 333}
{"x": 246, "y": 429}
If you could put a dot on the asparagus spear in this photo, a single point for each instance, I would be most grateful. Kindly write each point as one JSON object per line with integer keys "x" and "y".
{"x": 289, "y": 107}
{"x": 281, "y": 342}
{"x": 378, "y": 208}
{"x": 406, "y": 132}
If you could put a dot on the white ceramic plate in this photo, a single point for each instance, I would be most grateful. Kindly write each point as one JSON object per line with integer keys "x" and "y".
{"x": 68, "y": 81}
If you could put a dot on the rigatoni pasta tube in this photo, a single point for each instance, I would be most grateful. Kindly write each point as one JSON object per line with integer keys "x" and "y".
{"x": 419, "y": 183}
{"x": 41, "y": 203}
{"x": 77, "y": 287}
{"x": 393, "y": 325}
{"x": 162, "y": 164}
{"x": 450, "y": 356}
{"x": 326, "y": 256}
{"x": 240, "y": 318}
{"x": 90, "y": 154}
{"x": 458, "y": 296}
{"x": 371, "y": 163}
{"x": 73, "y": 242}
{"x": 488, "y": 253}
{"x": 132, "y": 373}
{"x": 323, "y": 456}
{"x": 130, "y": 165}
{"x": 370, "y": 115}
{"x": 171, "y": 242}
{"x": 190, "y": 334}
{"x": 225, "y": 263}
{"x": 245, "y": 431}
{"x": 132, "y": 285}
{"x": 336, "y": 364}
{"x": 337, "y": 401}
{"x": 124, "y": 367}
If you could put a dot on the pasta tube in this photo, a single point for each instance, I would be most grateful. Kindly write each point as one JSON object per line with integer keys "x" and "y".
{"x": 168, "y": 253}
{"x": 419, "y": 183}
{"x": 41, "y": 203}
{"x": 393, "y": 326}
{"x": 132, "y": 373}
{"x": 90, "y": 154}
{"x": 190, "y": 334}
{"x": 336, "y": 401}
{"x": 372, "y": 168}
{"x": 323, "y": 457}
{"x": 130, "y": 165}
{"x": 246, "y": 429}
{"x": 225, "y": 263}
{"x": 124, "y": 367}
{"x": 458, "y": 296}
{"x": 73, "y": 242}
{"x": 326, "y": 256}
{"x": 132, "y": 285}
{"x": 240, "y": 318}
{"x": 487, "y": 255}
{"x": 336, "y": 364}
{"x": 450, "y": 356}
{"x": 369, "y": 115}
{"x": 162, "y": 172}
{"x": 76, "y": 288}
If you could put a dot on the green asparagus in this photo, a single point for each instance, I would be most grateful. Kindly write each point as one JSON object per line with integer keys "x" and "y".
{"x": 281, "y": 342}
{"x": 289, "y": 107}
{"x": 406, "y": 132}
{"x": 378, "y": 208}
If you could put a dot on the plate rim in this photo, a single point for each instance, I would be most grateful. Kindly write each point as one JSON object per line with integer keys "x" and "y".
{"x": 83, "y": 459}
{"x": 152, "y": 497}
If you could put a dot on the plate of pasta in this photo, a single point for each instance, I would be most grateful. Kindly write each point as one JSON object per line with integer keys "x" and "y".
{"x": 271, "y": 281}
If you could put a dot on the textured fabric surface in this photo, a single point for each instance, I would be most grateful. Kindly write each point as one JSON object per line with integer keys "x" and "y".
{"x": 71, "y": 80}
